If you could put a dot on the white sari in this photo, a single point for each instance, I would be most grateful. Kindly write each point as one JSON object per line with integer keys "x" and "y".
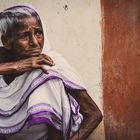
{"x": 36, "y": 97}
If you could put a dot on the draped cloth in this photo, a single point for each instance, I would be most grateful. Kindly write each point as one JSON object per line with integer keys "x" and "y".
{"x": 36, "y": 97}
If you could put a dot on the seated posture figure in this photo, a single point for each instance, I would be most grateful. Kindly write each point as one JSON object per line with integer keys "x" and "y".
{"x": 41, "y": 96}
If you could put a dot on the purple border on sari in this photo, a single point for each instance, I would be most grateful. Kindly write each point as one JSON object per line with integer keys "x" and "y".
{"x": 38, "y": 81}
{"x": 40, "y": 116}
{"x": 36, "y": 115}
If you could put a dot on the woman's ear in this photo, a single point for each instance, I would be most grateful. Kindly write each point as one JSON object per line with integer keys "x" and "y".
{"x": 6, "y": 42}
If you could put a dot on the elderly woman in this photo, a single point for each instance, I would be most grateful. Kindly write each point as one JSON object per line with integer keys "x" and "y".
{"x": 41, "y": 97}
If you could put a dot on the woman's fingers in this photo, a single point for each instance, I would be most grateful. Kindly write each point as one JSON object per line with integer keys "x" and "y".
{"x": 44, "y": 69}
{"x": 39, "y": 66}
{"x": 34, "y": 53}
{"x": 37, "y": 62}
{"x": 44, "y": 59}
{"x": 48, "y": 62}
{"x": 33, "y": 49}
{"x": 48, "y": 59}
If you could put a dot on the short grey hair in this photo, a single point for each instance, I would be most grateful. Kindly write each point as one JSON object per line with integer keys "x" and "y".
{"x": 10, "y": 17}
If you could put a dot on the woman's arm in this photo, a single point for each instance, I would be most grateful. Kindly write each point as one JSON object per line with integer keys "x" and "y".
{"x": 9, "y": 66}
{"x": 91, "y": 113}
{"x": 24, "y": 65}
{"x": 92, "y": 117}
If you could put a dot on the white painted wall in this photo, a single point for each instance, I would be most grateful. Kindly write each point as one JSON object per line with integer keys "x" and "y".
{"x": 73, "y": 29}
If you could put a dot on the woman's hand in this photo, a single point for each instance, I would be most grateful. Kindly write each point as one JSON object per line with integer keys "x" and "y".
{"x": 36, "y": 62}
{"x": 27, "y": 53}
{"x": 28, "y": 64}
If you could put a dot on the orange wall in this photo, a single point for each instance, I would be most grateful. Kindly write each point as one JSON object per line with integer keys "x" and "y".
{"x": 121, "y": 68}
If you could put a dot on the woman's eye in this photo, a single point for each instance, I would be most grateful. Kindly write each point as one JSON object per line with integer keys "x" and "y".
{"x": 38, "y": 33}
{"x": 24, "y": 36}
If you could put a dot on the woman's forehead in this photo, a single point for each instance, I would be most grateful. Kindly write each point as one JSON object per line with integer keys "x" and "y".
{"x": 28, "y": 23}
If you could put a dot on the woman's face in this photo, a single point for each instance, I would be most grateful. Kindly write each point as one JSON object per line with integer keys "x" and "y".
{"x": 28, "y": 38}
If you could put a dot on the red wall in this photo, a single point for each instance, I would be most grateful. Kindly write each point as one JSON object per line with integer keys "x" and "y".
{"x": 121, "y": 68}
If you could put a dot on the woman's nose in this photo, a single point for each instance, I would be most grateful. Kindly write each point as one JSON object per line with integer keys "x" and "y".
{"x": 33, "y": 41}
